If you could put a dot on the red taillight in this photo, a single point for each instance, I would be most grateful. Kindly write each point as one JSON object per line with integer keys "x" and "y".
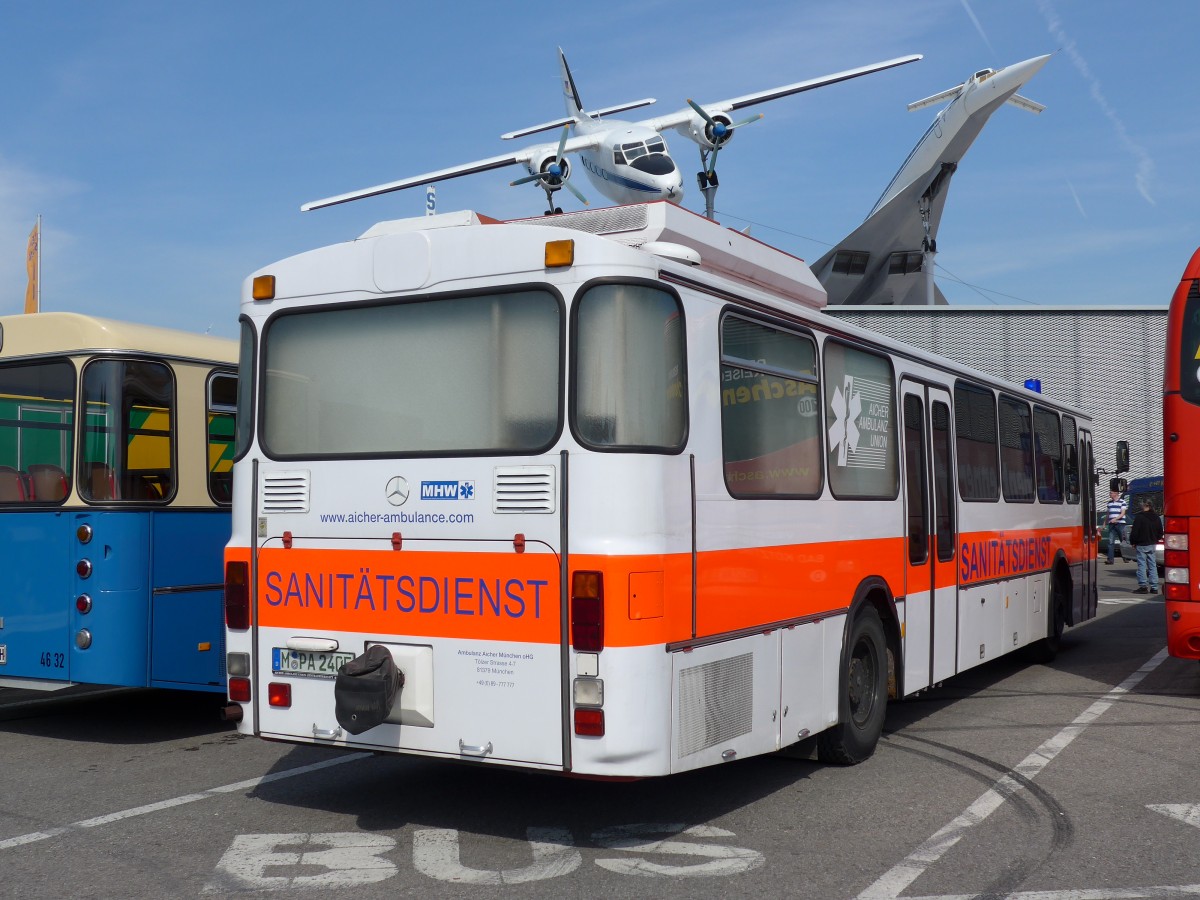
{"x": 279, "y": 694}
{"x": 237, "y": 595}
{"x": 239, "y": 690}
{"x": 589, "y": 722}
{"x": 587, "y": 611}
{"x": 1176, "y": 591}
{"x": 1178, "y": 558}
{"x": 1175, "y": 525}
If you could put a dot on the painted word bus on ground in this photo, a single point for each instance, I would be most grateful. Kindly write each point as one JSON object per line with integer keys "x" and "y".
{"x": 116, "y": 478}
{"x": 606, "y": 493}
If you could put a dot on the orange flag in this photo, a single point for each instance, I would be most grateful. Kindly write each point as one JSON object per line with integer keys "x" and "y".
{"x": 33, "y": 293}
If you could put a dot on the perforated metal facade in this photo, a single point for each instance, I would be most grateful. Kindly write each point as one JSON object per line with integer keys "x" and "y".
{"x": 1109, "y": 362}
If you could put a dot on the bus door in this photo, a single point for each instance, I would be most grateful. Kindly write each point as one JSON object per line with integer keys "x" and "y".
{"x": 930, "y": 537}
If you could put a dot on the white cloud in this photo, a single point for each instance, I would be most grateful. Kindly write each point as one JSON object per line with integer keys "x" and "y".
{"x": 1144, "y": 173}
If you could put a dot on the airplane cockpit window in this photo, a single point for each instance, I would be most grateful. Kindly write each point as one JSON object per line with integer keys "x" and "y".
{"x": 984, "y": 73}
{"x": 654, "y": 164}
{"x": 634, "y": 149}
{"x": 645, "y": 156}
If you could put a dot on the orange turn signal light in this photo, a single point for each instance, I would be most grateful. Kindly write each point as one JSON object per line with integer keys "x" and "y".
{"x": 560, "y": 254}
{"x": 263, "y": 287}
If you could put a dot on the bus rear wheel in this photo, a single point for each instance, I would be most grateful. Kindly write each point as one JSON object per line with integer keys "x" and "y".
{"x": 1045, "y": 650}
{"x": 862, "y": 694}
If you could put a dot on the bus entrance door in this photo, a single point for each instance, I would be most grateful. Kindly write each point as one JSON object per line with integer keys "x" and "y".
{"x": 930, "y": 605}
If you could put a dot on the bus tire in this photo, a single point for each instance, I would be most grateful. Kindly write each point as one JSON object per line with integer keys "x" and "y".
{"x": 1045, "y": 650}
{"x": 862, "y": 694}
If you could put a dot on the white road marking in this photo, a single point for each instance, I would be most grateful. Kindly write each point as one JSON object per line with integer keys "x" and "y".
{"x": 436, "y": 854}
{"x": 352, "y": 858}
{"x": 722, "y": 860}
{"x": 98, "y": 821}
{"x": 1188, "y": 813}
{"x": 893, "y": 882}
{"x": 1129, "y": 601}
{"x": 1135, "y": 893}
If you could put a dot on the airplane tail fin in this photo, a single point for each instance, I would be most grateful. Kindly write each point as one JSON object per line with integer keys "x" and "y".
{"x": 570, "y": 92}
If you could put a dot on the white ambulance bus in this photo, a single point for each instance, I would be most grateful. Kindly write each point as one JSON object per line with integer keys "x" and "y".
{"x": 605, "y": 493}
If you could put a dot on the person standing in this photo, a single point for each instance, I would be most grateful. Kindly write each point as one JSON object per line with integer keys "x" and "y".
{"x": 1115, "y": 519}
{"x": 1145, "y": 533}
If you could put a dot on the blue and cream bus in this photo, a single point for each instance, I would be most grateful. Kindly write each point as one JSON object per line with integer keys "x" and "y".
{"x": 116, "y": 453}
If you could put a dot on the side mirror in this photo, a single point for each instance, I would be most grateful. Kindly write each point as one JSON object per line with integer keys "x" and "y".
{"x": 1122, "y": 456}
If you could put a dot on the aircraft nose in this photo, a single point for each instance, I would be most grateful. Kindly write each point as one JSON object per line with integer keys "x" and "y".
{"x": 1008, "y": 80}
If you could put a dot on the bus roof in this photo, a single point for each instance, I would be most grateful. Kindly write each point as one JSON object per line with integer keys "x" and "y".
{"x": 1145, "y": 484}
{"x": 660, "y": 229}
{"x": 37, "y": 334}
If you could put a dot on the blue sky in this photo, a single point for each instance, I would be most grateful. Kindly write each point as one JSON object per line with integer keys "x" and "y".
{"x": 169, "y": 146}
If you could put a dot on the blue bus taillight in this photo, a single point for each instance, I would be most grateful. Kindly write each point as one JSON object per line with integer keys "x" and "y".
{"x": 237, "y": 594}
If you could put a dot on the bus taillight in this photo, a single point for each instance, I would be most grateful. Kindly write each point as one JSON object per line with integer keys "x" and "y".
{"x": 587, "y": 611}
{"x": 1176, "y": 572}
{"x": 279, "y": 694}
{"x": 237, "y": 594}
{"x": 239, "y": 690}
{"x": 589, "y": 722}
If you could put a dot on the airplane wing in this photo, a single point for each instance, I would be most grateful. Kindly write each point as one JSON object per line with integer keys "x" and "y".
{"x": 583, "y": 142}
{"x": 674, "y": 120}
{"x": 1025, "y": 103}
{"x": 936, "y": 98}
{"x": 567, "y": 120}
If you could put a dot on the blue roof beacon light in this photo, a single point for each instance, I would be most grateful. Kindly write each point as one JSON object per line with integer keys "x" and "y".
{"x": 1033, "y": 384}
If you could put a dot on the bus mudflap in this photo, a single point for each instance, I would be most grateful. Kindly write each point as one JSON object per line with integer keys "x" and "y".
{"x": 365, "y": 689}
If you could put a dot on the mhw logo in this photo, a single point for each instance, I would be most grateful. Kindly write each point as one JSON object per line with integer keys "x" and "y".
{"x": 447, "y": 490}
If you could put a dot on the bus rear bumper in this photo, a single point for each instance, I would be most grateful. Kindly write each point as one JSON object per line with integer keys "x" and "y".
{"x": 1183, "y": 629}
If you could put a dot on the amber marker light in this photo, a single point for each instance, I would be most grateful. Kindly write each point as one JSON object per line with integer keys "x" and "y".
{"x": 560, "y": 254}
{"x": 263, "y": 287}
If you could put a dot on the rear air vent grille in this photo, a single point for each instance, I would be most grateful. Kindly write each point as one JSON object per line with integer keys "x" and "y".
{"x": 284, "y": 492}
{"x": 716, "y": 703}
{"x": 523, "y": 489}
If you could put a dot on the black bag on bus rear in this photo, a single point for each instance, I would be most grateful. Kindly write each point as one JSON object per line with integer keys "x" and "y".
{"x": 365, "y": 690}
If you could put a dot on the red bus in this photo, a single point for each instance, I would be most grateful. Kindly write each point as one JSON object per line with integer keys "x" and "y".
{"x": 1181, "y": 432}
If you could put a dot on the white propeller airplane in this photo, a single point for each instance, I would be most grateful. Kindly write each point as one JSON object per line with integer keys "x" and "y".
{"x": 628, "y": 162}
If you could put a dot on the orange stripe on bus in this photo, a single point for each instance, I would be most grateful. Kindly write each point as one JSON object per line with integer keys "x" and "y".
{"x": 486, "y": 596}
{"x": 647, "y": 598}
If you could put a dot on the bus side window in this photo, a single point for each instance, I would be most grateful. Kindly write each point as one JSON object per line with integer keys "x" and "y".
{"x": 1016, "y": 450}
{"x": 861, "y": 453}
{"x": 1048, "y": 449}
{"x": 221, "y": 411}
{"x": 128, "y": 445}
{"x": 1071, "y": 458}
{"x": 770, "y": 423}
{"x": 975, "y": 426}
{"x": 37, "y": 414}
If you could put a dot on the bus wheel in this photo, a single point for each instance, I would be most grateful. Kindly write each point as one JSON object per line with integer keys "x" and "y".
{"x": 862, "y": 695}
{"x": 1045, "y": 650}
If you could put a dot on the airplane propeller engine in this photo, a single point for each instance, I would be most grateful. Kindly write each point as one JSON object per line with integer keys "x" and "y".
{"x": 553, "y": 172}
{"x": 711, "y": 132}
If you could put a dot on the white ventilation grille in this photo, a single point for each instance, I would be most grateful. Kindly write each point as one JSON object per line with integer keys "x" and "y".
{"x": 608, "y": 220}
{"x": 716, "y": 703}
{"x": 284, "y": 492}
{"x": 523, "y": 489}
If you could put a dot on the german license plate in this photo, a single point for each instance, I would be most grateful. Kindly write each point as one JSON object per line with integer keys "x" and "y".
{"x": 307, "y": 663}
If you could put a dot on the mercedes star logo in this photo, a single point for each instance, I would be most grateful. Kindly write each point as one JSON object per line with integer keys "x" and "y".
{"x": 396, "y": 490}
